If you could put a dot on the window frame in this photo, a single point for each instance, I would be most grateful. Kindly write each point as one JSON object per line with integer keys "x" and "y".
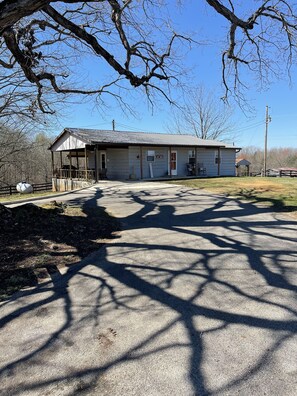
{"x": 151, "y": 155}
{"x": 217, "y": 157}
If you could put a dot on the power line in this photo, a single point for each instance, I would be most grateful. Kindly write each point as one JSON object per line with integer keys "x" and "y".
{"x": 133, "y": 128}
{"x": 94, "y": 125}
{"x": 251, "y": 126}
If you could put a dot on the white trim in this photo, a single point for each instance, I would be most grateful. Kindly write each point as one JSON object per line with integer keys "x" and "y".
{"x": 150, "y": 155}
{"x": 173, "y": 171}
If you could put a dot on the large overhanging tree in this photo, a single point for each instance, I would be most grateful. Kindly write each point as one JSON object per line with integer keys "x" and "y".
{"x": 41, "y": 41}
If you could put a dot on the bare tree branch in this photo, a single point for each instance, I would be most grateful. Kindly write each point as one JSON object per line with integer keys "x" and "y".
{"x": 272, "y": 25}
{"x": 203, "y": 116}
{"x": 33, "y": 33}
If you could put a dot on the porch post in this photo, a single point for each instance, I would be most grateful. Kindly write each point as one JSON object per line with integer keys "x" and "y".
{"x": 70, "y": 165}
{"x": 77, "y": 163}
{"x": 61, "y": 159}
{"x": 141, "y": 169}
{"x": 170, "y": 171}
{"x": 196, "y": 161}
{"x": 86, "y": 163}
{"x": 96, "y": 165}
{"x": 219, "y": 161}
{"x": 52, "y": 164}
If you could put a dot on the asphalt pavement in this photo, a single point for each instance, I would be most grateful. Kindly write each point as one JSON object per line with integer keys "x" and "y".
{"x": 195, "y": 296}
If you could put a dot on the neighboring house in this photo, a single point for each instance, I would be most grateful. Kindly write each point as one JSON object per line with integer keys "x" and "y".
{"x": 99, "y": 154}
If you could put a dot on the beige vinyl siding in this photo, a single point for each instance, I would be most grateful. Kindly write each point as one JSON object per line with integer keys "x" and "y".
{"x": 117, "y": 163}
{"x": 206, "y": 157}
{"x": 91, "y": 160}
{"x": 122, "y": 163}
{"x": 134, "y": 161}
{"x": 182, "y": 160}
{"x": 159, "y": 165}
{"x": 228, "y": 157}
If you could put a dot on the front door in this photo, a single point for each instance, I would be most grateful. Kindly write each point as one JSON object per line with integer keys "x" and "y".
{"x": 102, "y": 160}
{"x": 172, "y": 162}
{"x": 102, "y": 165}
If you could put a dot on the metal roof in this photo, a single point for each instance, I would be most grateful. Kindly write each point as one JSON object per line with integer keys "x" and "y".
{"x": 242, "y": 161}
{"x": 99, "y": 136}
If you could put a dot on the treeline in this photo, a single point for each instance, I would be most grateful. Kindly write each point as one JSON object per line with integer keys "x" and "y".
{"x": 24, "y": 156}
{"x": 276, "y": 158}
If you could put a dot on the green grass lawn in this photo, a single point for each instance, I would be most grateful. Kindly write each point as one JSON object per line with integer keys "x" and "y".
{"x": 16, "y": 197}
{"x": 280, "y": 193}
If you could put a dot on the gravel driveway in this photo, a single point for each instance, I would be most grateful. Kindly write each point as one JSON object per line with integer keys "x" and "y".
{"x": 196, "y": 296}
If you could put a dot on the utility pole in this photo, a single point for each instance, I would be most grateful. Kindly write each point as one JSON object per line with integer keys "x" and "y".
{"x": 267, "y": 120}
{"x": 113, "y": 125}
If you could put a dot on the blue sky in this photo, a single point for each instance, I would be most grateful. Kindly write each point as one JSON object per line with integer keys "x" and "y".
{"x": 204, "y": 62}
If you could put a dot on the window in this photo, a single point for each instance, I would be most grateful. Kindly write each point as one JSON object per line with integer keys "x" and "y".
{"x": 150, "y": 155}
{"x": 218, "y": 157}
{"x": 191, "y": 156}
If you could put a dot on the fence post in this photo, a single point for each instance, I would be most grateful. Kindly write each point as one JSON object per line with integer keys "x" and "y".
{"x": 10, "y": 190}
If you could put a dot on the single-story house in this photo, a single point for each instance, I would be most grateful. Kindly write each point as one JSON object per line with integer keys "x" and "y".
{"x": 98, "y": 154}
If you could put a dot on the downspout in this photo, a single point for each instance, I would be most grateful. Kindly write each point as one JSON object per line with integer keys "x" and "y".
{"x": 170, "y": 171}
{"x": 219, "y": 161}
{"x": 196, "y": 161}
{"x": 141, "y": 169}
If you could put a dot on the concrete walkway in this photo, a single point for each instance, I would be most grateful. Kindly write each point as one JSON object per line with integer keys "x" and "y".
{"x": 196, "y": 296}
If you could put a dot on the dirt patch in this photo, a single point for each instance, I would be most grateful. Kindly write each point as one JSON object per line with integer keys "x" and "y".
{"x": 35, "y": 241}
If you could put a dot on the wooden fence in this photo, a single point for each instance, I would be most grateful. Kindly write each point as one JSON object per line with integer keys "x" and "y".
{"x": 288, "y": 172}
{"x": 280, "y": 172}
{"x": 9, "y": 190}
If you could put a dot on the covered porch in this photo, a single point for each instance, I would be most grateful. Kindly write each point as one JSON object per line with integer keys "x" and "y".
{"x": 82, "y": 164}
{"x": 88, "y": 156}
{"x": 95, "y": 162}
{"x": 78, "y": 168}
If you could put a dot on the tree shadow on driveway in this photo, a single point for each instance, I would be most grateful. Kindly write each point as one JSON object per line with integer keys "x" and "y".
{"x": 197, "y": 297}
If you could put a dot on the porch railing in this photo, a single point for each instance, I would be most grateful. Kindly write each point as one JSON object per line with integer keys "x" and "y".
{"x": 80, "y": 174}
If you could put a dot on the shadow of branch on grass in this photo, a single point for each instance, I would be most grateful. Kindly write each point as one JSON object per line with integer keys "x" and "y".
{"x": 277, "y": 204}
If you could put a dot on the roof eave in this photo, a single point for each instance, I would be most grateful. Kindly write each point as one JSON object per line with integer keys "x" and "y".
{"x": 66, "y": 130}
{"x": 78, "y": 136}
{"x": 114, "y": 144}
{"x": 57, "y": 138}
